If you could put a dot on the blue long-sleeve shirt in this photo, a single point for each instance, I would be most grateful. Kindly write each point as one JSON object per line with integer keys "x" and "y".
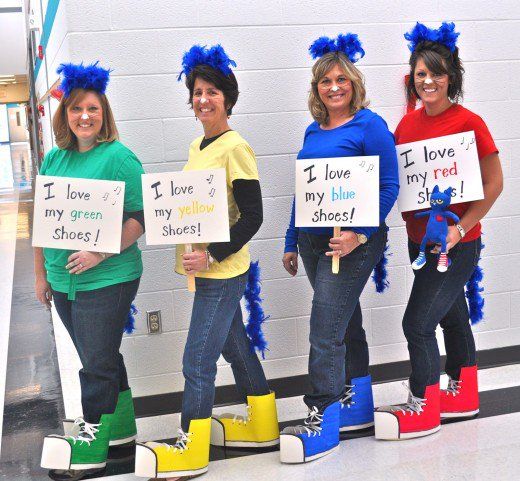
{"x": 366, "y": 134}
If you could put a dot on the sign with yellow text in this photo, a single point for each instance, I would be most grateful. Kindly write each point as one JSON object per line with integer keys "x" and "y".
{"x": 78, "y": 214}
{"x": 186, "y": 207}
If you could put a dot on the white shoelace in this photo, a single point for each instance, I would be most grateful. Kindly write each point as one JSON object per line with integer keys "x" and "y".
{"x": 243, "y": 419}
{"x": 182, "y": 441}
{"x": 87, "y": 432}
{"x": 453, "y": 386}
{"x": 413, "y": 406}
{"x": 346, "y": 400}
{"x": 312, "y": 425}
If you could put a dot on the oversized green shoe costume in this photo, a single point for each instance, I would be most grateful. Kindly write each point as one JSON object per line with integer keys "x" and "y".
{"x": 123, "y": 430}
{"x": 84, "y": 445}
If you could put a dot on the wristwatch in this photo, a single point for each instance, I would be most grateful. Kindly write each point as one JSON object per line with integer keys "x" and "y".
{"x": 461, "y": 230}
{"x": 362, "y": 238}
{"x": 209, "y": 259}
{"x": 103, "y": 255}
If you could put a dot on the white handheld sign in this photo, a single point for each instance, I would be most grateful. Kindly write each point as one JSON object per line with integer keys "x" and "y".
{"x": 186, "y": 207}
{"x": 342, "y": 191}
{"x": 78, "y": 214}
{"x": 449, "y": 161}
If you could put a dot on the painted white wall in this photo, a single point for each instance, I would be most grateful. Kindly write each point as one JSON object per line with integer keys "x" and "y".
{"x": 13, "y": 60}
{"x": 143, "y": 42}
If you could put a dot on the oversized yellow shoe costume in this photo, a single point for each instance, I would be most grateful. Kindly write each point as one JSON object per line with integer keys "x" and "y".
{"x": 256, "y": 430}
{"x": 188, "y": 457}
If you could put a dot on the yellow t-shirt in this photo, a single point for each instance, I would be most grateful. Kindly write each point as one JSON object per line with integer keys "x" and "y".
{"x": 231, "y": 152}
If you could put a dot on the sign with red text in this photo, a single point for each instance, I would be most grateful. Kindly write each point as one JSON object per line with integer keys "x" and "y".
{"x": 450, "y": 161}
{"x": 186, "y": 207}
{"x": 340, "y": 191}
{"x": 78, "y": 214}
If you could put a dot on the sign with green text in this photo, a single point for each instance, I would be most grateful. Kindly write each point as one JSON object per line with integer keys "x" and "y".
{"x": 78, "y": 214}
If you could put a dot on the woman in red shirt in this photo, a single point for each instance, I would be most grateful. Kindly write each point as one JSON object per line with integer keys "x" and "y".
{"x": 436, "y": 76}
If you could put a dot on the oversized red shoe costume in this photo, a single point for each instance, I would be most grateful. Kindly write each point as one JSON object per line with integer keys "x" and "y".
{"x": 460, "y": 399}
{"x": 418, "y": 417}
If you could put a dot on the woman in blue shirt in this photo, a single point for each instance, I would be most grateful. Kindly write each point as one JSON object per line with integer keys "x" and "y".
{"x": 341, "y": 393}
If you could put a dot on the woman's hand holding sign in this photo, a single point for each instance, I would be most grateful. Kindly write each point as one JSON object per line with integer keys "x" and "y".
{"x": 344, "y": 244}
{"x": 82, "y": 261}
{"x": 195, "y": 261}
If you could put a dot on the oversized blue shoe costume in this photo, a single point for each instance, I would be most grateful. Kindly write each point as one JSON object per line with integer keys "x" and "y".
{"x": 357, "y": 405}
{"x": 318, "y": 436}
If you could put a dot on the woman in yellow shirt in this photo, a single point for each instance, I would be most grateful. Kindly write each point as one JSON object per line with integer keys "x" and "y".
{"x": 222, "y": 271}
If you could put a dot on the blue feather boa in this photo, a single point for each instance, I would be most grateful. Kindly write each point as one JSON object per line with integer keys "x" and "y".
{"x": 90, "y": 77}
{"x": 130, "y": 320}
{"x": 256, "y": 313}
{"x": 474, "y": 296}
{"x": 444, "y": 35}
{"x": 215, "y": 57}
{"x": 380, "y": 275}
{"x": 349, "y": 44}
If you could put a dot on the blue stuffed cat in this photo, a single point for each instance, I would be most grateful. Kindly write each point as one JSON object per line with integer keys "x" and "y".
{"x": 436, "y": 228}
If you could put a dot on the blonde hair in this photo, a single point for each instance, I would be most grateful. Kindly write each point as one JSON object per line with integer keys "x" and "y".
{"x": 65, "y": 138}
{"x": 316, "y": 107}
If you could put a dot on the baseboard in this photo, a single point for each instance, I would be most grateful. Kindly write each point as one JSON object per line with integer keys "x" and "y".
{"x": 169, "y": 403}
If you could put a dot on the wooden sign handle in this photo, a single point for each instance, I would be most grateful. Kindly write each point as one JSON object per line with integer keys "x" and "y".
{"x": 191, "y": 278}
{"x": 335, "y": 258}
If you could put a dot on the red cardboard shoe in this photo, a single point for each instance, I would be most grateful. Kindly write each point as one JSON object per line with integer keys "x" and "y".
{"x": 418, "y": 417}
{"x": 461, "y": 397}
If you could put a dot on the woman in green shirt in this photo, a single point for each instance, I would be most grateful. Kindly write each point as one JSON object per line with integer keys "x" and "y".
{"x": 93, "y": 291}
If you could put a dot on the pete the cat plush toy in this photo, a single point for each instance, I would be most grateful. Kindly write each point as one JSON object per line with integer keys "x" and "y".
{"x": 436, "y": 228}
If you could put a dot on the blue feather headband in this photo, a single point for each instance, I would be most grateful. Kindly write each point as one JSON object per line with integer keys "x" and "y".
{"x": 444, "y": 35}
{"x": 215, "y": 57}
{"x": 349, "y": 44}
{"x": 90, "y": 77}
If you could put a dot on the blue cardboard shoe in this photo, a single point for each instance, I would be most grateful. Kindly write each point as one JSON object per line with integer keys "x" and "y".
{"x": 318, "y": 436}
{"x": 357, "y": 405}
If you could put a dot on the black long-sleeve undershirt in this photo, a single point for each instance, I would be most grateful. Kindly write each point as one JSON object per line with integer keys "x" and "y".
{"x": 248, "y": 197}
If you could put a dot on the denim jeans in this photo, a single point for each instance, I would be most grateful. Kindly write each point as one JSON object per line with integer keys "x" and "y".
{"x": 438, "y": 298}
{"x": 95, "y": 322}
{"x": 339, "y": 350}
{"x": 216, "y": 328}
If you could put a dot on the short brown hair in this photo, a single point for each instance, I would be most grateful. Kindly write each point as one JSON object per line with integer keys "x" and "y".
{"x": 65, "y": 138}
{"x": 316, "y": 107}
{"x": 227, "y": 84}
{"x": 440, "y": 61}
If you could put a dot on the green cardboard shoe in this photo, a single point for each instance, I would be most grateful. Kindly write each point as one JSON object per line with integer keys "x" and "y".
{"x": 86, "y": 451}
{"x": 123, "y": 428}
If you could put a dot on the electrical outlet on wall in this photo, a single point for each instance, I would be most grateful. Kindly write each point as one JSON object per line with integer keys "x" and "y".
{"x": 154, "y": 322}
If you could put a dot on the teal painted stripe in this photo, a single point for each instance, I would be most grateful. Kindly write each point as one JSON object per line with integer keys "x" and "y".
{"x": 50, "y": 15}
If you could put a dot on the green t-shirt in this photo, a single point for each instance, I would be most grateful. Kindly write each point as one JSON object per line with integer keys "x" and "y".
{"x": 106, "y": 161}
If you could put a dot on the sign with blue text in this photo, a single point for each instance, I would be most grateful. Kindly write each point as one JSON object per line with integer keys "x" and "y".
{"x": 78, "y": 214}
{"x": 186, "y": 207}
{"x": 449, "y": 161}
{"x": 342, "y": 191}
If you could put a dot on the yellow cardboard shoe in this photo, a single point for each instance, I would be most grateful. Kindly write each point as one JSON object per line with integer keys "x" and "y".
{"x": 258, "y": 429}
{"x": 188, "y": 457}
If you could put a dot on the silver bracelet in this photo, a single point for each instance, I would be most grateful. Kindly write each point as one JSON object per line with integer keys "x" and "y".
{"x": 461, "y": 230}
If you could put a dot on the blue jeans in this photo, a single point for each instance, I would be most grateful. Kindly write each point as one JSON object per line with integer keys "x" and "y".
{"x": 339, "y": 350}
{"x": 438, "y": 298}
{"x": 95, "y": 322}
{"x": 217, "y": 328}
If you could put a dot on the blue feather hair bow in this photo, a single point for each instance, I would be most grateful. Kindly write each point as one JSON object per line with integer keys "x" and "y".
{"x": 348, "y": 43}
{"x": 215, "y": 57}
{"x": 444, "y": 35}
{"x": 79, "y": 76}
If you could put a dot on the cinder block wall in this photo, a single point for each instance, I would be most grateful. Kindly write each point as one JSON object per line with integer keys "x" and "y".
{"x": 143, "y": 43}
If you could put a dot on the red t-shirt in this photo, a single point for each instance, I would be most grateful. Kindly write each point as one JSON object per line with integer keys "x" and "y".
{"x": 417, "y": 126}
